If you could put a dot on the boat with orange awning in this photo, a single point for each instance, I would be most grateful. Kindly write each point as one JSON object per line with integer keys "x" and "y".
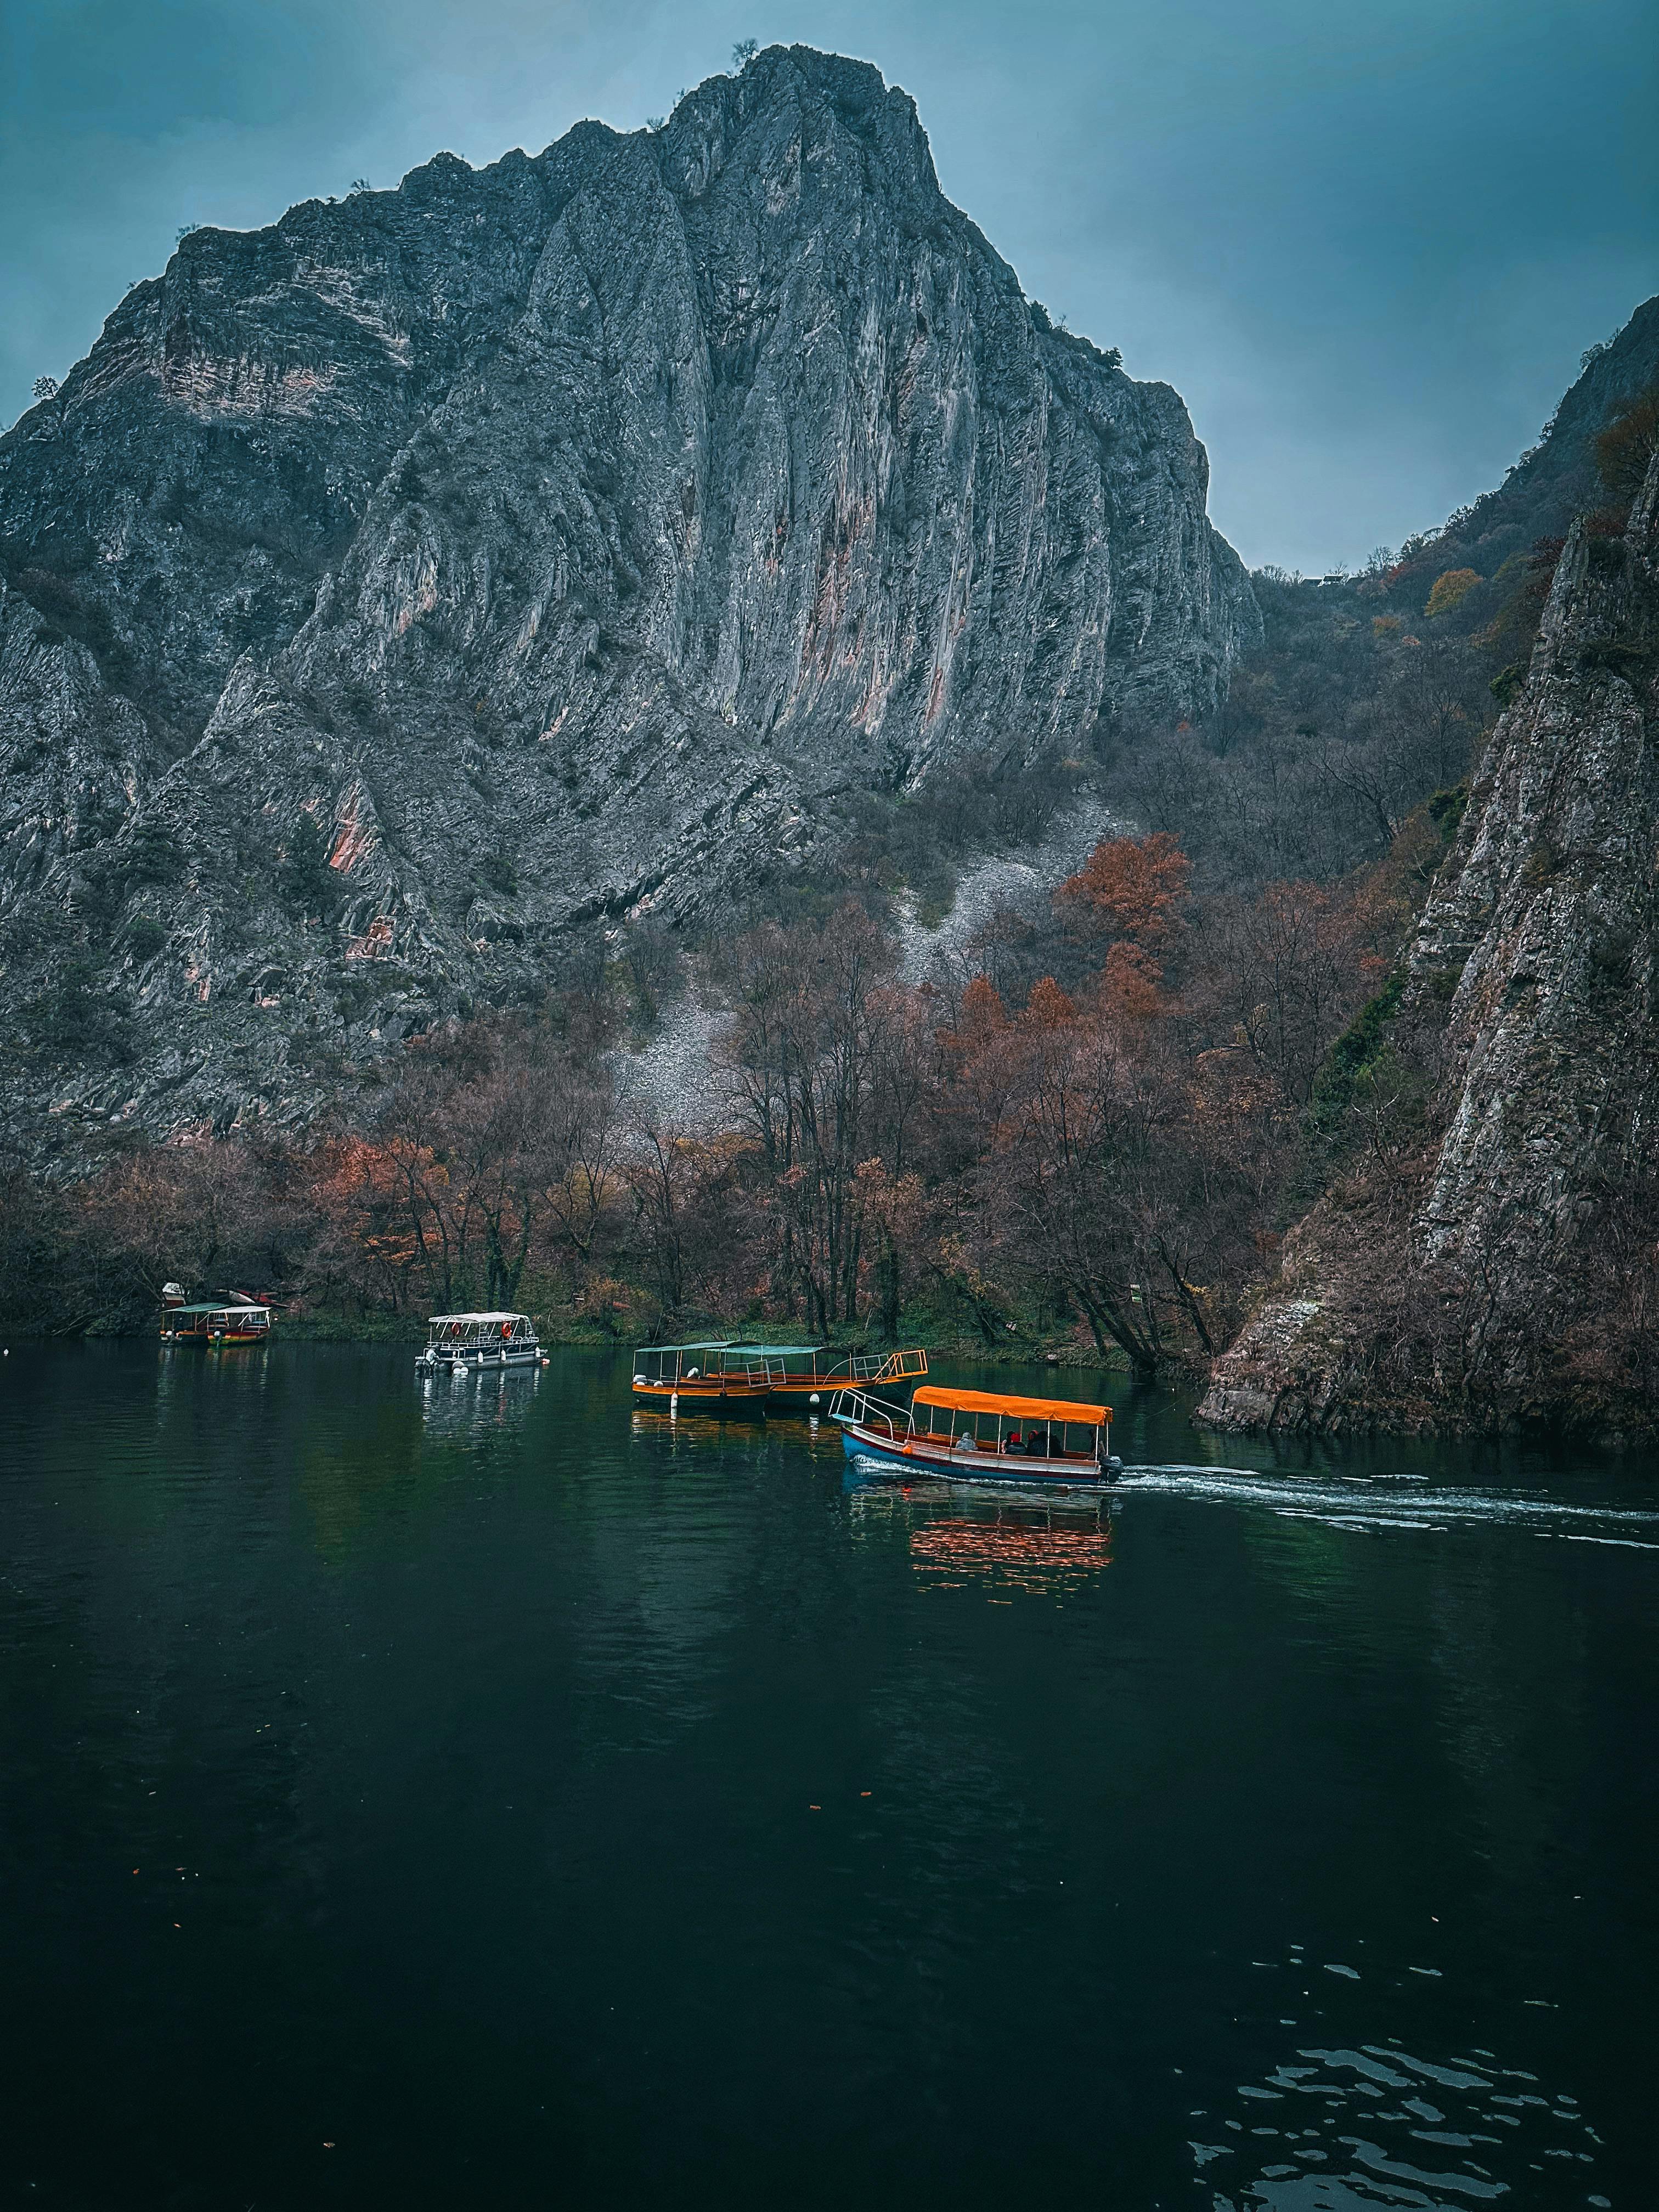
{"x": 978, "y": 1436}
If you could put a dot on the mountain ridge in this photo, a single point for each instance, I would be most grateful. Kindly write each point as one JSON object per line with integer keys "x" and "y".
{"x": 399, "y": 590}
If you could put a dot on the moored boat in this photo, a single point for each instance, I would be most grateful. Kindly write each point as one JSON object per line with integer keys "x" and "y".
{"x": 237, "y": 1319}
{"x": 719, "y": 1373}
{"x": 978, "y": 1436}
{"x": 459, "y": 1342}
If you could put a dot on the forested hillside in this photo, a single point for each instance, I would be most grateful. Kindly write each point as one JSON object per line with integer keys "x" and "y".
{"x": 1371, "y": 692}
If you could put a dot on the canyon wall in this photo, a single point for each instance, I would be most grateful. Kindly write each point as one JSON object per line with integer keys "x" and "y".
{"x": 1488, "y": 1253}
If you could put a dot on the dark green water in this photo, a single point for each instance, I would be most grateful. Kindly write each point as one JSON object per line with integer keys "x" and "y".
{"x": 474, "y": 1794}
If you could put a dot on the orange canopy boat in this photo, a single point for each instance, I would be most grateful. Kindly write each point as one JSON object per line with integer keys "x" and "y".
{"x": 975, "y": 1435}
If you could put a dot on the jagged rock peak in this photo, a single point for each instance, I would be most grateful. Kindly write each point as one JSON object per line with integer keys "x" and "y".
{"x": 817, "y": 90}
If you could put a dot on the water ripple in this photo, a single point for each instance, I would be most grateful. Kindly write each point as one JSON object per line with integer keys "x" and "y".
{"x": 1354, "y": 2142}
{"x": 1365, "y": 1503}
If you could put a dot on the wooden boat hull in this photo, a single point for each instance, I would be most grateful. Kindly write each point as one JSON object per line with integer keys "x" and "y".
{"x": 708, "y": 1393}
{"x": 211, "y": 1342}
{"x": 919, "y": 1455}
{"x": 712, "y": 1393}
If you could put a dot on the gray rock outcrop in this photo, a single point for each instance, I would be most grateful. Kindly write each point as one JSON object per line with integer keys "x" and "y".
{"x": 1460, "y": 1292}
{"x": 394, "y": 593}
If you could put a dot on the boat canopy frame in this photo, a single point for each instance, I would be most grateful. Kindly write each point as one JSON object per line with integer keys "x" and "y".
{"x": 671, "y": 1361}
{"x": 221, "y": 1306}
{"x": 476, "y": 1328}
{"x": 758, "y": 1368}
{"x": 1071, "y": 1413}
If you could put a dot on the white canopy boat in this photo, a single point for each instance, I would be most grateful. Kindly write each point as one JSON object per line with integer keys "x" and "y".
{"x": 460, "y": 1341}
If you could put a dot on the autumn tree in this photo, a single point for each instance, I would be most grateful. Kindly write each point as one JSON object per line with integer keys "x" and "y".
{"x": 495, "y": 1141}
{"x": 1448, "y": 590}
{"x": 802, "y": 1049}
{"x": 680, "y": 1182}
{"x": 1070, "y": 1179}
{"x": 1286, "y": 971}
{"x": 1131, "y": 887}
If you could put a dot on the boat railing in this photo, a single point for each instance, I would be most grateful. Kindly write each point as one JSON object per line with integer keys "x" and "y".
{"x": 879, "y": 1366}
{"x": 863, "y": 1411}
{"x": 899, "y": 1366}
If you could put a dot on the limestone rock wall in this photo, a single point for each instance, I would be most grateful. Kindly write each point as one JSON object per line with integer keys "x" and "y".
{"x": 555, "y": 541}
{"x": 1532, "y": 999}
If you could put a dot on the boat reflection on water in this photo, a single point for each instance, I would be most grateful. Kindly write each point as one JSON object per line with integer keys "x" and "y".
{"x": 459, "y": 1406}
{"x": 1010, "y": 1552}
{"x": 707, "y": 1432}
{"x": 961, "y": 1540}
{"x": 224, "y": 1381}
{"x": 689, "y": 1428}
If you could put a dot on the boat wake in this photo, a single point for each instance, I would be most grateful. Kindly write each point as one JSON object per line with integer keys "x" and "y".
{"x": 1369, "y": 1502}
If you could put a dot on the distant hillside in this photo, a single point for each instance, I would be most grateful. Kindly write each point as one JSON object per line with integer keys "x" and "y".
{"x": 1372, "y": 692}
{"x": 1557, "y": 479}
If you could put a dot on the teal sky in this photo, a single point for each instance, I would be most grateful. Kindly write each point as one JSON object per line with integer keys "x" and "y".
{"x": 1367, "y": 244}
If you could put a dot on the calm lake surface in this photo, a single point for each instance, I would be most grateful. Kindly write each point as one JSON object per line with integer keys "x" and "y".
{"x": 476, "y": 1794}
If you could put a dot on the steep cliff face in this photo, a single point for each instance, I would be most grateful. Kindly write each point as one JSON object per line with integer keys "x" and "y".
{"x": 392, "y": 592}
{"x": 1491, "y": 1272}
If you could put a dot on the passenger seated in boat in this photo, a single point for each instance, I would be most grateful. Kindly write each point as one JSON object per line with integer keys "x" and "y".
{"x": 1015, "y": 1443}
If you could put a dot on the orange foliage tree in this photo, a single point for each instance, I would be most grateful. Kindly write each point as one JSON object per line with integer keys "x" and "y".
{"x": 1131, "y": 887}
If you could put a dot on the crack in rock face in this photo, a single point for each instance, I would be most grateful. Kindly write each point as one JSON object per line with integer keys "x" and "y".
{"x": 555, "y": 541}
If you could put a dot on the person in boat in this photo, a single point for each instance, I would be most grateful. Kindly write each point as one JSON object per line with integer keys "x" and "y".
{"x": 1016, "y": 1441}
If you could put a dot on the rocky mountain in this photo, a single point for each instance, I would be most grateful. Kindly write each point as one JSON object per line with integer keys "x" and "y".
{"x": 392, "y": 594}
{"x": 1491, "y": 1253}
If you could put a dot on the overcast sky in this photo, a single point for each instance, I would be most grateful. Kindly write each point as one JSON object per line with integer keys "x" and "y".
{"x": 1368, "y": 244}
